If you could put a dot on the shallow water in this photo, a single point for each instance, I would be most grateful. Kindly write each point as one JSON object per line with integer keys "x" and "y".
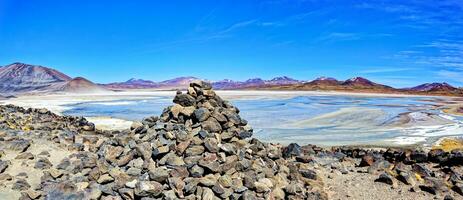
{"x": 316, "y": 119}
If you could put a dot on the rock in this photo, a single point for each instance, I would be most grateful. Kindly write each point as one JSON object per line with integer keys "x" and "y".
{"x": 159, "y": 174}
{"x": 418, "y": 157}
{"x": 55, "y": 173}
{"x": 244, "y": 134}
{"x": 292, "y": 149}
{"x": 201, "y": 114}
{"x": 33, "y": 194}
{"x": 263, "y": 185}
{"x": 194, "y": 150}
{"x": 148, "y": 188}
{"x": 21, "y": 184}
{"x": 422, "y": 170}
{"x": 196, "y": 171}
{"x": 455, "y": 158}
{"x": 407, "y": 178}
{"x": 184, "y": 100}
{"x": 126, "y": 194}
{"x": 5, "y": 177}
{"x": 131, "y": 184}
{"x": 3, "y": 165}
{"x": 310, "y": 174}
{"x": 25, "y": 155}
{"x": 43, "y": 163}
{"x": 367, "y": 160}
{"x": 211, "y": 145}
{"x": 211, "y": 125}
{"x": 208, "y": 194}
{"x": 434, "y": 186}
{"x": 437, "y": 156}
{"x": 105, "y": 178}
{"x": 201, "y": 84}
{"x": 458, "y": 187}
{"x": 228, "y": 148}
{"x": 208, "y": 180}
{"x": 20, "y": 145}
{"x": 388, "y": 179}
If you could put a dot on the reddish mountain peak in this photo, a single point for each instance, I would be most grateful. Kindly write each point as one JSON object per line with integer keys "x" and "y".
{"x": 427, "y": 87}
{"x": 359, "y": 81}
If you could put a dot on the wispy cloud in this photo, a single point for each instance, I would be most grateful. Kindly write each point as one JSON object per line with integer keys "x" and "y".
{"x": 337, "y": 36}
{"x": 348, "y": 36}
{"x": 379, "y": 70}
{"x": 456, "y": 76}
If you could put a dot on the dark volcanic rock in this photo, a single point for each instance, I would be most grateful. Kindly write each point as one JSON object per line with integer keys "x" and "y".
{"x": 292, "y": 149}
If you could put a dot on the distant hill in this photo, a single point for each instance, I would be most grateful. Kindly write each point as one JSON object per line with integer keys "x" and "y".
{"x": 131, "y": 84}
{"x": 76, "y": 85}
{"x": 20, "y": 77}
{"x": 429, "y": 87}
{"x": 25, "y": 78}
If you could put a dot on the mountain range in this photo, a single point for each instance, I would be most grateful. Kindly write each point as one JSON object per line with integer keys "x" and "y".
{"x": 20, "y": 78}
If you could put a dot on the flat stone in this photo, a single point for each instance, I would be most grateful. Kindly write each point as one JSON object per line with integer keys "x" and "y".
{"x": 3, "y": 165}
{"x": 201, "y": 114}
{"x": 25, "y": 155}
{"x": 388, "y": 179}
{"x": 105, "y": 178}
{"x": 148, "y": 188}
{"x": 159, "y": 174}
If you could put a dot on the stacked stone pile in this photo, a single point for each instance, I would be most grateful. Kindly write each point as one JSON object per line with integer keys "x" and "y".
{"x": 199, "y": 148}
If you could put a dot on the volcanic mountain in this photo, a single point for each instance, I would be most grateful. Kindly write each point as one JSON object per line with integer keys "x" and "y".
{"x": 76, "y": 85}
{"x": 430, "y": 87}
{"x": 20, "y": 77}
{"x": 132, "y": 84}
{"x": 24, "y": 78}
{"x": 321, "y": 81}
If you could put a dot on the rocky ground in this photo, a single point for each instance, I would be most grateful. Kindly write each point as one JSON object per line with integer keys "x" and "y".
{"x": 200, "y": 148}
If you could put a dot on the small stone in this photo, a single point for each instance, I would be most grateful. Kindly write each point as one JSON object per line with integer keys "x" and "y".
{"x": 105, "y": 178}
{"x": 159, "y": 174}
{"x": 131, "y": 184}
{"x": 208, "y": 180}
{"x": 43, "y": 163}
{"x": 208, "y": 194}
{"x": 55, "y": 173}
{"x": 3, "y": 165}
{"x": 25, "y": 155}
{"x": 148, "y": 188}
{"x": 194, "y": 150}
{"x": 196, "y": 171}
{"x": 20, "y": 145}
{"x": 184, "y": 100}
{"x": 211, "y": 145}
{"x": 126, "y": 194}
{"x": 201, "y": 114}
{"x": 5, "y": 177}
{"x": 21, "y": 184}
{"x": 292, "y": 149}
{"x": 211, "y": 125}
{"x": 388, "y": 179}
{"x": 310, "y": 174}
{"x": 33, "y": 194}
{"x": 367, "y": 160}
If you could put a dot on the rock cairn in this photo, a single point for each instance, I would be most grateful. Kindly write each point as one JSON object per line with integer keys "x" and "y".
{"x": 199, "y": 148}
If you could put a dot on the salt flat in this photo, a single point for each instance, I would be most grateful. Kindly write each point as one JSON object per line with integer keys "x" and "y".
{"x": 323, "y": 118}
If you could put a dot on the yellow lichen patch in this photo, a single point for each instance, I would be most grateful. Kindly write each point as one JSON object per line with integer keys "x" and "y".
{"x": 449, "y": 144}
{"x": 418, "y": 177}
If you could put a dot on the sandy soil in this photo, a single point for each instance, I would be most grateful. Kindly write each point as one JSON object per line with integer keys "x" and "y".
{"x": 27, "y": 166}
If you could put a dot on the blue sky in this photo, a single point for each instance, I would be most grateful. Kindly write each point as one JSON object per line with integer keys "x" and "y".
{"x": 400, "y": 43}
